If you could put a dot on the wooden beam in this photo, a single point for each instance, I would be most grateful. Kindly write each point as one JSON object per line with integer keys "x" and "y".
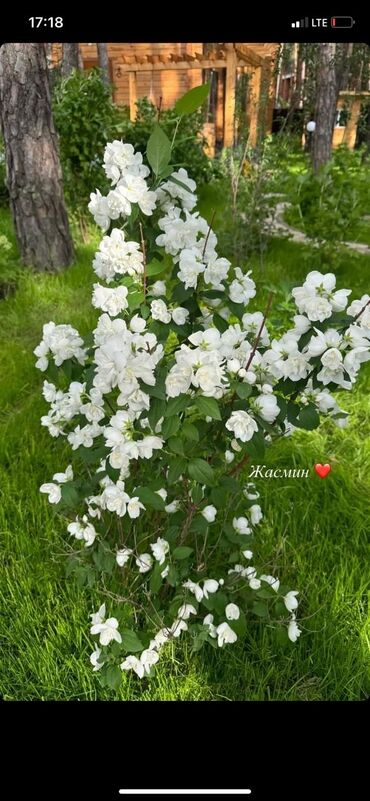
{"x": 248, "y": 56}
{"x": 144, "y": 66}
{"x": 132, "y": 87}
{"x": 231, "y": 64}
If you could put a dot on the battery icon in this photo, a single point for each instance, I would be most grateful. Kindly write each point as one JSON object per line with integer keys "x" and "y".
{"x": 342, "y": 22}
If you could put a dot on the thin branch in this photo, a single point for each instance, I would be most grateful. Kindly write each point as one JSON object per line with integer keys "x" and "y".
{"x": 362, "y": 310}
{"x": 258, "y": 337}
{"x": 159, "y": 108}
{"x": 208, "y": 232}
{"x": 143, "y": 247}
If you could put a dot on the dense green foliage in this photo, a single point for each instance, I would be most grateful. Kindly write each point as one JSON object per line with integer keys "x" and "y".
{"x": 86, "y": 119}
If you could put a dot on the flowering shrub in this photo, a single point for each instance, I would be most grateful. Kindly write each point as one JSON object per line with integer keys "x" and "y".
{"x": 178, "y": 386}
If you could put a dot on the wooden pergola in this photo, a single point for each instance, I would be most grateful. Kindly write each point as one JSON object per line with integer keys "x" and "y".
{"x": 231, "y": 57}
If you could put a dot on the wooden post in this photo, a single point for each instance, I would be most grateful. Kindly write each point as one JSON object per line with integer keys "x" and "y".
{"x": 220, "y": 111}
{"x": 254, "y": 100}
{"x": 350, "y": 132}
{"x": 231, "y": 64}
{"x": 132, "y": 88}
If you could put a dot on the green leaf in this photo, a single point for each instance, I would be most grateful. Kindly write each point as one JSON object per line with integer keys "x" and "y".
{"x": 113, "y": 677}
{"x": 156, "y": 411}
{"x": 199, "y": 524}
{"x": 182, "y": 552}
{"x": 201, "y": 471}
{"x": 208, "y": 407}
{"x": 170, "y": 426}
{"x": 156, "y": 578}
{"x": 156, "y": 392}
{"x": 158, "y": 150}
{"x": 189, "y": 431}
{"x": 176, "y": 445}
{"x": 177, "y": 405}
{"x": 192, "y": 99}
{"x": 150, "y": 498}
{"x": 176, "y": 467}
{"x": 69, "y": 494}
{"x": 131, "y": 641}
{"x": 243, "y": 390}
{"x": 172, "y": 576}
{"x": 220, "y": 323}
{"x": 197, "y": 495}
{"x": 154, "y": 267}
{"x": 256, "y": 446}
{"x": 260, "y": 609}
{"x": 134, "y": 300}
{"x": 308, "y": 418}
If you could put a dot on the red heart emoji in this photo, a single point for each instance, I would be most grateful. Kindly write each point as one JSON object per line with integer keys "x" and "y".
{"x": 322, "y": 470}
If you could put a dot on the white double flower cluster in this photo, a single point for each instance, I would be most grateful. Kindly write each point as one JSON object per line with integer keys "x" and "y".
{"x": 127, "y": 172}
{"x": 208, "y": 363}
{"x": 61, "y": 342}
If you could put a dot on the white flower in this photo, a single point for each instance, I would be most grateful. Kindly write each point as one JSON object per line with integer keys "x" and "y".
{"x": 144, "y": 562}
{"x": 53, "y": 491}
{"x": 185, "y": 611}
{"x": 311, "y": 125}
{"x": 123, "y": 556}
{"x": 210, "y": 586}
{"x": 133, "y": 663}
{"x": 112, "y": 301}
{"x": 293, "y": 631}
{"x": 242, "y": 425}
{"x": 209, "y": 513}
{"x": 273, "y": 582}
{"x": 177, "y": 627}
{"x": 254, "y": 583}
{"x": 94, "y": 659}
{"x": 255, "y": 513}
{"x": 108, "y": 631}
{"x": 180, "y": 315}
{"x": 160, "y": 548}
{"x": 137, "y": 324}
{"x": 162, "y": 493}
{"x": 61, "y": 478}
{"x": 248, "y": 555}
{"x": 208, "y": 621}
{"x": 133, "y": 507}
{"x": 267, "y": 407}
{"x": 172, "y": 507}
{"x": 241, "y": 525}
{"x": 242, "y": 288}
{"x": 159, "y": 311}
{"x": 290, "y": 600}
{"x": 232, "y": 612}
{"x": 158, "y": 289}
{"x": 225, "y": 634}
{"x": 229, "y": 456}
{"x": 98, "y": 617}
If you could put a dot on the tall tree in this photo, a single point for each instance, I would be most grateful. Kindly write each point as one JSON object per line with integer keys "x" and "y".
{"x": 34, "y": 175}
{"x": 70, "y": 58}
{"x": 326, "y": 105}
{"x": 104, "y": 61}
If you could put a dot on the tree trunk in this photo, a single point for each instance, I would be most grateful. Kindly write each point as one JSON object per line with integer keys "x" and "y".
{"x": 34, "y": 175}
{"x": 70, "y": 58}
{"x": 326, "y": 105}
{"x": 104, "y": 62}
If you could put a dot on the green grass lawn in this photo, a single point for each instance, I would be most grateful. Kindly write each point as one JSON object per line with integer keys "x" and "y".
{"x": 315, "y": 532}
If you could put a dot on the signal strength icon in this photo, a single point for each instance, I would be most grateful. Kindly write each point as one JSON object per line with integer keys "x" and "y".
{"x": 303, "y": 23}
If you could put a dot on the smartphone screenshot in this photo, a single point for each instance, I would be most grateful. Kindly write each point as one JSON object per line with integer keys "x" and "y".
{"x": 184, "y": 385}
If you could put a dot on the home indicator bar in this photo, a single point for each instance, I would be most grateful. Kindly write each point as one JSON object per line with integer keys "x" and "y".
{"x": 185, "y": 792}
